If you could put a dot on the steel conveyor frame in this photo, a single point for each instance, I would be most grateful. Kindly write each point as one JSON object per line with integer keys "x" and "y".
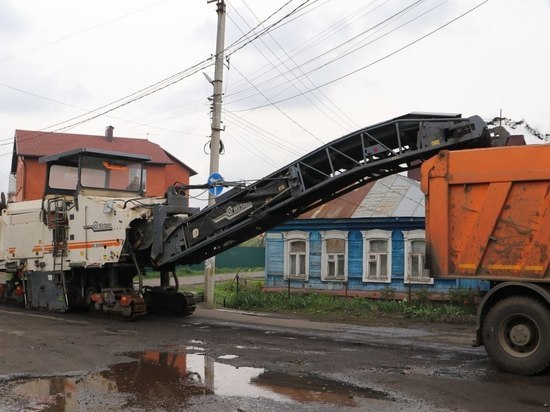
{"x": 316, "y": 178}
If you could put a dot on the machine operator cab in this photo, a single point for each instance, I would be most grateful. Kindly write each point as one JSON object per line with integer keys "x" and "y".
{"x": 94, "y": 172}
{"x": 86, "y": 172}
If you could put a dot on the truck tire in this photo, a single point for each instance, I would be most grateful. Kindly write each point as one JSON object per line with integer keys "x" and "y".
{"x": 516, "y": 335}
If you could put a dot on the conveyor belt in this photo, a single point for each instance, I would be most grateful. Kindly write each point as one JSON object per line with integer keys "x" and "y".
{"x": 318, "y": 177}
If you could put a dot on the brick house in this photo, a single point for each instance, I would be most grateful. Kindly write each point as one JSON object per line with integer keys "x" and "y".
{"x": 160, "y": 172}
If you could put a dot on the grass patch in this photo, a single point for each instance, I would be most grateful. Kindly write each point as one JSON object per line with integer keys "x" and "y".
{"x": 338, "y": 308}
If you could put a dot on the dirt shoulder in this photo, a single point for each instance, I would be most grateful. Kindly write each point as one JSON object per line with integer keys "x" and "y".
{"x": 337, "y": 322}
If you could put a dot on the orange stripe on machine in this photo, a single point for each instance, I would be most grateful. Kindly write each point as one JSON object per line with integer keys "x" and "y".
{"x": 82, "y": 245}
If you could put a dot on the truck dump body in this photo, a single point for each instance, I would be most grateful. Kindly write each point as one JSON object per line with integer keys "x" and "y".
{"x": 487, "y": 213}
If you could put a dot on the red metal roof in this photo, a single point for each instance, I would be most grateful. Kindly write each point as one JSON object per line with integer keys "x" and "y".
{"x": 38, "y": 143}
{"x": 391, "y": 196}
{"x": 341, "y": 207}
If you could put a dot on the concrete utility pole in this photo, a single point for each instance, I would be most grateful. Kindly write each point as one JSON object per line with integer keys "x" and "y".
{"x": 210, "y": 264}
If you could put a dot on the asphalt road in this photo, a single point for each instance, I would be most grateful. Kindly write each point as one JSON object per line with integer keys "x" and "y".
{"x": 233, "y": 361}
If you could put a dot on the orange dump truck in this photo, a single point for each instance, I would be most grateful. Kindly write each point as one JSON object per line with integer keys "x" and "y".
{"x": 488, "y": 217}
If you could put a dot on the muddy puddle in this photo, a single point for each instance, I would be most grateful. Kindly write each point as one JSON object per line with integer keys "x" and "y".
{"x": 170, "y": 380}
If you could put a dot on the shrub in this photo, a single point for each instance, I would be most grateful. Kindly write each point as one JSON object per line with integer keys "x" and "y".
{"x": 421, "y": 296}
{"x": 387, "y": 293}
{"x": 461, "y": 296}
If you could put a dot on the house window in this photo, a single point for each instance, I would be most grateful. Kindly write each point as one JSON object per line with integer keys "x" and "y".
{"x": 334, "y": 256}
{"x": 297, "y": 258}
{"x": 377, "y": 256}
{"x": 415, "y": 257}
{"x": 296, "y": 255}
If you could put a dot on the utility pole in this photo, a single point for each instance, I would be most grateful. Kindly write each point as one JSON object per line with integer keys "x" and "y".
{"x": 210, "y": 264}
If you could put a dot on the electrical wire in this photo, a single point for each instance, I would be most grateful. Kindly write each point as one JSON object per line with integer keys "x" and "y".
{"x": 206, "y": 63}
{"x": 262, "y": 133}
{"x": 136, "y": 97}
{"x": 311, "y": 42}
{"x": 289, "y": 80}
{"x": 241, "y": 127}
{"x": 346, "y": 124}
{"x": 380, "y": 24}
{"x": 279, "y": 109}
{"x": 249, "y": 148}
{"x": 246, "y": 35}
{"x": 10, "y": 139}
{"x": 353, "y": 50}
{"x": 238, "y": 45}
{"x": 164, "y": 119}
{"x": 160, "y": 85}
{"x": 273, "y": 65}
{"x": 22, "y": 138}
{"x": 372, "y": 63}
{"x": 200, "y": 194}
{"x": 164, "y": 111}
{"x": 299, "y": 14}
{"x": 164, "y": 83}
{"x": 336, "y": 28}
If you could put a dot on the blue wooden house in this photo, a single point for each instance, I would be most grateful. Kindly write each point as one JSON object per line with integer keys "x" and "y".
{"x": 369, "y": 242}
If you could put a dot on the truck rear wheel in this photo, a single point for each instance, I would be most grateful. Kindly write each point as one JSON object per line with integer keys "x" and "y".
{"x": 516, "y": 335}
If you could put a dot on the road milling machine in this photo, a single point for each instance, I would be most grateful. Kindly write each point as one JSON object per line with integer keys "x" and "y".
{"x": 89, "y": 241}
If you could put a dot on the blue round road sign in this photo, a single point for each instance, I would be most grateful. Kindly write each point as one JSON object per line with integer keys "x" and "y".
{"x": 212, "y": 180}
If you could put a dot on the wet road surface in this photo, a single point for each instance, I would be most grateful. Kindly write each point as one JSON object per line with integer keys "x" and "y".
{"x": 225, "y": 360}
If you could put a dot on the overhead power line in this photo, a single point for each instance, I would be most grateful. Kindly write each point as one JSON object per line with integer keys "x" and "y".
{"x": 251, "y": 148}
{"x": 325, "y": 33}
{"x": 160, "y": 85}
{"x": 370, "y": 29}
{"x": 238, "y": 45}
{"x": 245, "y": 36}
{"x": 262, "y": 136}
{"x": 275, "y": 66}
{"x": 279, "y": 109}
{"x": 341, "y": 119}
{"x": 369, "y": 64}
{"x": 164, "y": 83}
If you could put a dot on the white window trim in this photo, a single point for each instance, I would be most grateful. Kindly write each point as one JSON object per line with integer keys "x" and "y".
{"x": 409, "y": 237}
{"x": 290, "y": 237}
{"x": 376, "y": 234}
{"x": 333, "y": 234}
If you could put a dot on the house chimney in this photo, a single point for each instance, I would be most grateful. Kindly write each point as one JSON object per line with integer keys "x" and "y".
{"x": 109, "y": 133}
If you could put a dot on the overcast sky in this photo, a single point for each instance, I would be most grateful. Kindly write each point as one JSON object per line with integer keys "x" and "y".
{"x": 60, "y": 59}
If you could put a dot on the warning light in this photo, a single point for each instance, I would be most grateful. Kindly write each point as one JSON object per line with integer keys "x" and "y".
{"x": 125, "y": 300}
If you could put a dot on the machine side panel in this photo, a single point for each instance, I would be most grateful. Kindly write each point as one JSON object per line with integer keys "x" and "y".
{"x": 24, "y": 235}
